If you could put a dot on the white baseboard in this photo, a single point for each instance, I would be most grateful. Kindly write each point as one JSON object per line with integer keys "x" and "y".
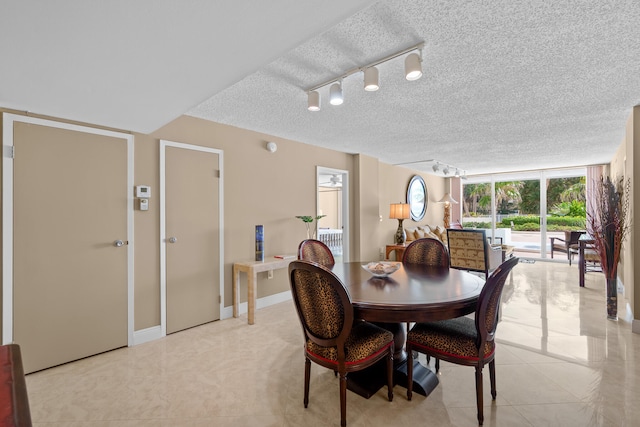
{"x": 155, "y": 332}
{"x": 260, "y": 303}
{"x": 145, "y": 335}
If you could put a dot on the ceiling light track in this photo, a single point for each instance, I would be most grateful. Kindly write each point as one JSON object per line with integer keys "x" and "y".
{"x": 413, "y": 71}
{"x": 439, "y": 168}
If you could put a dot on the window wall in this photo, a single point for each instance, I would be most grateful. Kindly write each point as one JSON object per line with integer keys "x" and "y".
{"x": 526, "y": 209}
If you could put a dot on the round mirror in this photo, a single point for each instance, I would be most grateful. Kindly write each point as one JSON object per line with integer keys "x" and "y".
{"x": 417, "y": 197}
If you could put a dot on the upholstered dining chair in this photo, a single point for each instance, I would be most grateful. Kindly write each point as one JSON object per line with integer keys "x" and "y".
{"x": 426, "y": 251}
{"x": 332, "y": 338}
{"x": 463, "y": 340}
{"x": 316, "y": 251}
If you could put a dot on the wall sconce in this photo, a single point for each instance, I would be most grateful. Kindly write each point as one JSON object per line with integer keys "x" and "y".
{"x": 400, "y": 211}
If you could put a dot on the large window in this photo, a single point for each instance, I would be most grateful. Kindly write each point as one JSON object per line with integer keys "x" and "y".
{"x": 526, "y": 209}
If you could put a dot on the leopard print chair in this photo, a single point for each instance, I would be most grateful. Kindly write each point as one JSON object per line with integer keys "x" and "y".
{"x": 462, "y": 340}
{"x": 426, "y": 251}
{"x": 332, "y": 338}
{"x": 316, "y": 251}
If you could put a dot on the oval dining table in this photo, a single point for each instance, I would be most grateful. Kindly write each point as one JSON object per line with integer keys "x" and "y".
{"x": 414, "y": 293}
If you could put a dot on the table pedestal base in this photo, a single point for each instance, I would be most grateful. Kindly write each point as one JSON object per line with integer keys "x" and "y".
{"x": 367, "y": 382}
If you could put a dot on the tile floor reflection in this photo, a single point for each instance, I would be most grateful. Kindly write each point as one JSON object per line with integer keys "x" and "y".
{"x": 559, "y": 362}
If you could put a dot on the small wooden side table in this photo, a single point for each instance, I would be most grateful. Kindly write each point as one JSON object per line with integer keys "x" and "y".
{"x": 399, "y": 251}
{"x": 252, "y": 268}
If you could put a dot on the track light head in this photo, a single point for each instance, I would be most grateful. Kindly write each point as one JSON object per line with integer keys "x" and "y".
{"x": 313, "y": 100}
{"x": 371, "y": 79}
{"x": 335, "y": 94}
{"x": 413, "y": 67}
{"x": 435, "y": 167}
{"x": 446, "y": 170}
{"x": 457, "y": 174}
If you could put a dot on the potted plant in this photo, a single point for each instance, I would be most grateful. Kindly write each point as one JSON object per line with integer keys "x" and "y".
{"x": 308, "y": 221}
{"x": 609, "y": 224}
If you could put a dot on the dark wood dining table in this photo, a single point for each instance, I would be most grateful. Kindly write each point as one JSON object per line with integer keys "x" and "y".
{"x": 414, "y": 293}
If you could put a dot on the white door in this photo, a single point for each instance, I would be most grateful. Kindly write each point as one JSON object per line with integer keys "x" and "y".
{"x": 70, "y": 279}
{"x": 192, "y": 235}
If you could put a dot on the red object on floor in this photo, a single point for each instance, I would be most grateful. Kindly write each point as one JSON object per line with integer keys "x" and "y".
{"x": 14, "y": 402}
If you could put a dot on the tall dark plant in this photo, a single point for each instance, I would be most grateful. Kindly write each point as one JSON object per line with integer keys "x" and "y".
{"x": 609, "y": 222}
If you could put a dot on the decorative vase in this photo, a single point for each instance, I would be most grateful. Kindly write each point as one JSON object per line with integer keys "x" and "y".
{"x": 612, "y": 298}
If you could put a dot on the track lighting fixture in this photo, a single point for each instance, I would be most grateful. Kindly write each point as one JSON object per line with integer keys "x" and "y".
{"x": 335, "y": 94}
{"x": 438, "y": 167}
{"x": 413, "y": 71}
{"x": 413, "y": 67}
{"x": 313, "y": 100}
{"x": 371, "y": 79}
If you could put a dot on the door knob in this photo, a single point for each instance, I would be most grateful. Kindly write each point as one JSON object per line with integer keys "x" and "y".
{"x": 118, "y": 243}
{"x": 173, "y": 239}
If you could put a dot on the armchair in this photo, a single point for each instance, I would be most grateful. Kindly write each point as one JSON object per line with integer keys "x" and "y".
{"x": 568, "y": 245}
{"x": 470, "y": 250}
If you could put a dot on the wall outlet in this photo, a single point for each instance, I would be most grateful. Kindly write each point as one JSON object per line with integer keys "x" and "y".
{"x": 381, "y": 253}
{"x": 270, "y": 274}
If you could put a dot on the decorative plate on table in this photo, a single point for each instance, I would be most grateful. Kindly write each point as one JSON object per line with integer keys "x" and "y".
{"x": 382, "y": 268}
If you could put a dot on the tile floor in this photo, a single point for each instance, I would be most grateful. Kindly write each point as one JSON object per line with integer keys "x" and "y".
{"x": 559, "y": 363}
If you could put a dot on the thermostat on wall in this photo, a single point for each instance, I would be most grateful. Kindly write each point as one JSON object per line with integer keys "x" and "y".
{"x": 143, "y": 191}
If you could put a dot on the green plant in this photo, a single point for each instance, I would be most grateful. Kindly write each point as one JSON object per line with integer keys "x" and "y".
{"x": 308, "y": 221}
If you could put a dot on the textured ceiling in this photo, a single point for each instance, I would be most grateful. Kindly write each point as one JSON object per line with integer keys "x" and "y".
{"x": 136, "y": 65}
{"x": 507, "y": 85}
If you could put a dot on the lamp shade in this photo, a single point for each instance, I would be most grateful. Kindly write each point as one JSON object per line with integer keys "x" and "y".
{"x": 371, "y": 79}
{"x": 335, "y": 94}
{"x": 447, "y": 199}
{"x": 412, "y": 67}
{"x": 313, "y": 101}
{"x": 399, "y": 211}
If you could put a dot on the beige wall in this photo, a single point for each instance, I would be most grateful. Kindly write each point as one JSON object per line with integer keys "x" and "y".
{"x": 264, "y": 188}
{"x": 621, "y": 165}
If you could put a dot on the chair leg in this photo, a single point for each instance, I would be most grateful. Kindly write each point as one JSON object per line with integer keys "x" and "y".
{"x": 409, "y": 372}
{"x": 343, "y": 399}
{"x": 437, "y": 365}
{"x": 479, "y": 394}
{"x": 492, "y": 376}
{"x": 390, "y": 373}
{"x": 307, "y": 376}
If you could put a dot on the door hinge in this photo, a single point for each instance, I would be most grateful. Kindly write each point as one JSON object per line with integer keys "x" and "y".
{"x": 10, "y": 151}
{"x": 216, "y": 173}
{"x": 219, "y": 299}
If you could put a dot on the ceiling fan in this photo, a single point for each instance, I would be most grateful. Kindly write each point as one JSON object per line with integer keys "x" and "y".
{"x": 334, "y": 180}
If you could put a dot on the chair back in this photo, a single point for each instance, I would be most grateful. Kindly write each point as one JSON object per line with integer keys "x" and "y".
{"x": 489, "y": 302}
{"x": 468, "y": 249}
{"x": 571, "y": 237}
{"x": 426, "y": 251}
{"x": 316, "y": 251}
{"x": 323, "y": 304}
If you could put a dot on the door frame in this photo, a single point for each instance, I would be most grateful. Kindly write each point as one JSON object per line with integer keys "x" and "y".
{"x": 163, "y": 223}
{"x": 7, "y": 215}
{"x": 345, "y": 204}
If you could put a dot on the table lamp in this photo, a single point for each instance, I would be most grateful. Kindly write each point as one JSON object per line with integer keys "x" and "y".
{"x": 400, "y": 211}
{"x": 447, "y": 200}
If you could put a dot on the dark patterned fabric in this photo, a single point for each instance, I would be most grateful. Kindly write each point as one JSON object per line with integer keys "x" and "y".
{"x": 316, "y": 251}
{"x": 320, "y": 304}
{"x": 457, "y": 337}
{"x": 426, "y": 251}
{"x": 364, "y": 341}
